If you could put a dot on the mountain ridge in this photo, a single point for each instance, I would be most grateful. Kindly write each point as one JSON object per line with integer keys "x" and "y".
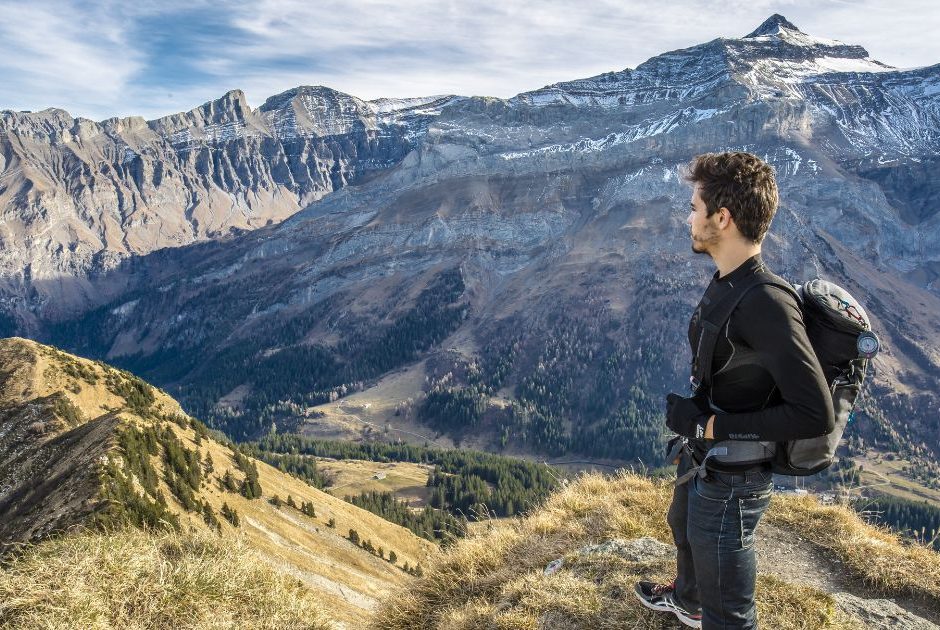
{"x": 84, "y": 445}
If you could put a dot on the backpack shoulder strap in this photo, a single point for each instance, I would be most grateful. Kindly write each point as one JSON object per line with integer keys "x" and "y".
{"x": 715, "y": 318}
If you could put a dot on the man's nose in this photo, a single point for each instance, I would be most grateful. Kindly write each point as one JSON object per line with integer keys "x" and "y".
{"x": 688, "y": 219}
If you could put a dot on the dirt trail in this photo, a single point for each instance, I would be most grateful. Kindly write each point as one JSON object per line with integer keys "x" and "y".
{"x": 790, "y": 557}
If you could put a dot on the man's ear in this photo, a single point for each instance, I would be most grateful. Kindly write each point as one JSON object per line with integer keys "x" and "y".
{"x": 724, "y": 217}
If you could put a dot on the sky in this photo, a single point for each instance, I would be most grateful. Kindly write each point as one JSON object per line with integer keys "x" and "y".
{"x": 153, "y": 58}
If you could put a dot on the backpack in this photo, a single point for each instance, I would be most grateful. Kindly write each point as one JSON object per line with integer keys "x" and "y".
{"x": 839, "y": 331}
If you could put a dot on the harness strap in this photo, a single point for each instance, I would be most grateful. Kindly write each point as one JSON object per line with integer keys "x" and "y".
{"x": 700, "y": 470}
{"x": 712, "y": 321}
{"x": 737, "y": 452}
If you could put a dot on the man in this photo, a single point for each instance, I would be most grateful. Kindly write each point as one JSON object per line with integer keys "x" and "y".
{"x": 765, "y": 386}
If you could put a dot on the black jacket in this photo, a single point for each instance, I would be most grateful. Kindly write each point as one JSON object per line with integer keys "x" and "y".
{"x": 765, "y": 376}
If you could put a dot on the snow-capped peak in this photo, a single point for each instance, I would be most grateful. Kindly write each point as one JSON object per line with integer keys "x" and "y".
{"x": 777, "y": 29}
{"x": 778, "y": 56}
{"x": 774, "y": 25}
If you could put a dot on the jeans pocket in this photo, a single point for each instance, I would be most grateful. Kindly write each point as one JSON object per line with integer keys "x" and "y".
{"x": 750, "y": 510}
{"x": 714, "y": 490}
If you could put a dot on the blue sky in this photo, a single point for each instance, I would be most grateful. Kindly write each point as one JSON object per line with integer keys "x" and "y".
{"x": 152, "y": 58}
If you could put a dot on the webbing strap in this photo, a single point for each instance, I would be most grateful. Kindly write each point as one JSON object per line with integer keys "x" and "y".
{"x": 700, "y": 470}
{"x": 714, "y": 320}
{"x": 737, "y": 452}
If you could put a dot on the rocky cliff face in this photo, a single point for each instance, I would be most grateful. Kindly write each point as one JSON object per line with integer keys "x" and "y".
{"x": 78, "y": 197}
{"x": 534, "y": 251}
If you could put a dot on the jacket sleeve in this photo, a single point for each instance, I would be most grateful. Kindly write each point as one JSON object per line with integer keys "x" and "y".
{"x": 770, "y": 322}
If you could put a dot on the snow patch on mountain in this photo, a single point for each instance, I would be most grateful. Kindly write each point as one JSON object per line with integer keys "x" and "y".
{"x": 787, "y": 162}
{"x": 129, "y": 155}
{"x": 797, "y": 38}
{"x": 381, "y": 106}
{"x": 646, "y": 129}
{"x": 890, "y": 118}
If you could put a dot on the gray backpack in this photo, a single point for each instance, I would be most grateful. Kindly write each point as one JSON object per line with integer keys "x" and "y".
{"x": 840, "y": 333}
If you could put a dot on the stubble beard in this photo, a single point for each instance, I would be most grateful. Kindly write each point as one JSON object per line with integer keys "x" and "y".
{"x": 702, "y": 244}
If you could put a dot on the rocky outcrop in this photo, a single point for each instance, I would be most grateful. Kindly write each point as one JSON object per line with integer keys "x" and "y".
{"x": 865, "y": 612}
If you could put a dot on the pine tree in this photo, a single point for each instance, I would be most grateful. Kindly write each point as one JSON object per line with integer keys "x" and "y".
{"x": 354, "y": 537}
{"x": 392, "y": 556}
{"x": 209, "y": 516}
{"x": 228, "y": 482}
{"x": 230, "y": 515}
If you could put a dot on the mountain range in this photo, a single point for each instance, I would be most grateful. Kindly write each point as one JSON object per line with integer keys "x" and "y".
{"x": 511, "y": 274}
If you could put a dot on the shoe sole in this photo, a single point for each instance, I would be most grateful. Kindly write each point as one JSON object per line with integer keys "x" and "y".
{"x": 688, "y": 621}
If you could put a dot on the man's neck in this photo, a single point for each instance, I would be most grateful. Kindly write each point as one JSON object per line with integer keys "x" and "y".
{"x": 730, "y": 257}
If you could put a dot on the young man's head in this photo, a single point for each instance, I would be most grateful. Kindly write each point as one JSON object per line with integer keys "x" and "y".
{"x": 735, "y": 197}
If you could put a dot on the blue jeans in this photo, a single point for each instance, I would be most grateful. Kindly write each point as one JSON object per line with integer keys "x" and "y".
{"x": 713, "y": 522}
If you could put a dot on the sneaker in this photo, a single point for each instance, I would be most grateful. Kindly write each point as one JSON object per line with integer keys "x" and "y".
{"x": 661, "y": 597}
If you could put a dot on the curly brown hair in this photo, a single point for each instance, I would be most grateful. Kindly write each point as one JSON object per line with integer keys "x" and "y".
{"x": 740, "y": 182}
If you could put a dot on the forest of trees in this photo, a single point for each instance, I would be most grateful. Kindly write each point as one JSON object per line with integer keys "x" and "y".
{"x": 428, "y": 523}
{"x": 299, "y": 375}
{"x": 575, "y": 392}
{"x": 184, "y": 472}
{"x": 918, "y": 520}
{"x": 504, "y": 485}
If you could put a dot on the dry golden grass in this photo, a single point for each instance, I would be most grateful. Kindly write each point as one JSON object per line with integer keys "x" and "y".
{"x": 874, "y": 554}
{"x": 495, "y": 578}
{"x": 350, "y": 477}
{"x": 35, "y": 370}
{"x": 132, "y": 579}
{"x": 801, "y": 606}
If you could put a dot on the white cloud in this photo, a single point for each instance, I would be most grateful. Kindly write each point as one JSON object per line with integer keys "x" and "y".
{"x": 55, "y": 55}
{"x": 83, "y": 59}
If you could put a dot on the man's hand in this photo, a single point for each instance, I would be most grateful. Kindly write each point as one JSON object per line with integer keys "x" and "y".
{"x": 689, "y": 417}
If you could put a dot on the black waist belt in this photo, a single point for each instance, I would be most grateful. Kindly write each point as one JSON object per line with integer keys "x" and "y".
{"x": 745, "y": 454}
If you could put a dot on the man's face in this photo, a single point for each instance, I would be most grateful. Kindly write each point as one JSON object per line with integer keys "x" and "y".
{"x": 704, "y": 232}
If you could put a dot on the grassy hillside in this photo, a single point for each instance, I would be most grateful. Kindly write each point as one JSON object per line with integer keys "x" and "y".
{"x": 83, "y": 443}
{"x": 135, "y": 579}
{"x": 495, "y": 578}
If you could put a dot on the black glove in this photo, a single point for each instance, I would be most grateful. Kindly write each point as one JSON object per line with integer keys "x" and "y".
{"x": 687, "y": 416}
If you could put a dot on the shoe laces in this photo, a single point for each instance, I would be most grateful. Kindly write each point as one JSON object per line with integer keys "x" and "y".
{"x": 662, "y": 589}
